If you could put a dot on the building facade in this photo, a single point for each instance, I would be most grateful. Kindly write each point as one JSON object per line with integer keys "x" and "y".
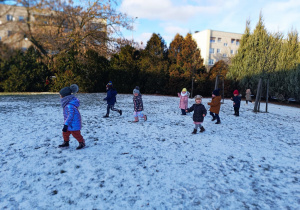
{"x": 12, "y": 23}
{"x": 216, "y": 45}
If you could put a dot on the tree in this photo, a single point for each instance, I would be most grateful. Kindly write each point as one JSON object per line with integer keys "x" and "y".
{"x": 55, "y": 27}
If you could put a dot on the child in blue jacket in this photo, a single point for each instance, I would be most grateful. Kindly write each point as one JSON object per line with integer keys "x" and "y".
{"x": 111, "y": 99}
{"x": 72, "y": 118}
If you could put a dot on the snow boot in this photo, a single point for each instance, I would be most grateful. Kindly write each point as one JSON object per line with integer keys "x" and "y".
{"x": 120, "y": 112}
{"x": 214, "y": 118}
{"x": 218, "y": 122}
{"x": 105, "y": 116}
{"x": 65, "y": 144}
{"x": 136, "y": 119}
{"x": 81, "y": 145}
{"x": 145, "y": 117}
{"x": 202, "y": 129}
{"x": 194, "y": 131}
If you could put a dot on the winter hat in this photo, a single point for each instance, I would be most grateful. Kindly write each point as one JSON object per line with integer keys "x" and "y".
{"x": 136, "y": 90}
{"x": 109, "y": 84}
{"x": 235, "y": 92}
{"x": 216, "y": 92}
{"x": 69, "y": 90}
{"x": 184, "y": 89}
{"x": 198, "y": 97}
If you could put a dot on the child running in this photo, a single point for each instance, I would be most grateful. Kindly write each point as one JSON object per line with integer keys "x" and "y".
{"x": 236, "y": 103}
{"x": 111, "y": 99}
{"x": 199, "y": 113}
{"x": 215, "y": 106}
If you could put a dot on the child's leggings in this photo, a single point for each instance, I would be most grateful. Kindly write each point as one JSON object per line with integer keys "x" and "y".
{"x": 77, "y": 135}
{"x": 138, "y": 114}
{"x": 214, "y": 115}
{"x": 112, "y": 108}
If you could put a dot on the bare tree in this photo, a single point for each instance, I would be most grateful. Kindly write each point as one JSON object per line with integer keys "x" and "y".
{"x": 58, "y": 26}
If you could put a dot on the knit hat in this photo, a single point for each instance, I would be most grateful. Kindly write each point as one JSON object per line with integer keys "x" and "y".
{"x": 136, "y": 90}
{"x": 235, "y": 92}
{"x": 69, "y": 90}
{"x": 198, "y": 97}
{"x": 109, "y": 85}
{"x": 184, "y": 90}
{"x": 216, "y": 92}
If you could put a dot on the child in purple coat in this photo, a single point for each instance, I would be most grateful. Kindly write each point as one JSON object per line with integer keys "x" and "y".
{"x": 72, "y": 118}
{"x": 184, "y": 99}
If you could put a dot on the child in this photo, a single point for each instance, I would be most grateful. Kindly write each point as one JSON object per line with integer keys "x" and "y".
{"x": 236, "y": 102}
{"x": 199, "y": 113}
{"x": 72, "y": 118}
{"x": 111, "y": 99}
{"x": 248, "y": 96}
{"x": 184, "y": 97}
{"x": 138, "y": 105}
{"x": 215, "y": 106}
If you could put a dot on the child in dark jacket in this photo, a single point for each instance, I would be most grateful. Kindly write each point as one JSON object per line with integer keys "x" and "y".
{"x": 111, "y": 99}
{"x": 199, "y": 113}
{"x": 72, "y": 118}
{"x": 236, "y": 102}
{"x": 138, "y": 105}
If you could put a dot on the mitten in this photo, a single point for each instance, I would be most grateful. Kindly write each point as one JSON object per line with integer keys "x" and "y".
{"x": 65, "y": 129}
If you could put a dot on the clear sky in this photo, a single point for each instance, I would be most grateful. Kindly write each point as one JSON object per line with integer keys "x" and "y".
{"x": 168, "y": 17}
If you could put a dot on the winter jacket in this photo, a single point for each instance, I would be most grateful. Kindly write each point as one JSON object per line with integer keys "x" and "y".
{"x": 72, "y": 116}
{"x": 237, "y": 101}
{"x": 248, "y": 95}
{"x": 199, "y": 110}
{"x": 138, "y": 103}
{"x": 183, "y": 104}
{"x": 215, "y": 104}
{"x": 111, "y": 96}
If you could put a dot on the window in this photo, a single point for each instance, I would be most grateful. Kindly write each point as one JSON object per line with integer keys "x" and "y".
{"x": 211, "y": 50}
{"x": 224, "y": 55}
{"x": 9, "y": 18}
{"x": 21, "y": 18}
{"x": 218, "y": 50}
{"x": 219, "y": 39}
{"x": 212, "y": 39}
{"x": 237, "y": 42}
{"x": 232, "y": 41}
{"x": 231, "y": 52}
{"x": 225, "y": 44}
{"x": 211, "y": 62}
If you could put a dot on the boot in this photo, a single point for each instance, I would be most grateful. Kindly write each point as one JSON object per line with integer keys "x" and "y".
{"x": 105, "y": 116}
{"x": 202, "y": 129}
{"x": 120, "y": 112}
{"x": 218, "y": 122}
{"x": 65, "y": 144}
{"x": 194, "y": 131}
{"x": 145, "y": 117}
{"x": 214, "y": 118}
{"x": 136, "y": 119}
{"x": 81, "y": 145}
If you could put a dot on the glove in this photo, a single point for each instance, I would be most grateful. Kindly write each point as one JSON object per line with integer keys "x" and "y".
{"x": 65, "y": 129}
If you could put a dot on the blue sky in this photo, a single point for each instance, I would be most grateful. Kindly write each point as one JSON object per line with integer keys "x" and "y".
{"x": 168, "y": 17}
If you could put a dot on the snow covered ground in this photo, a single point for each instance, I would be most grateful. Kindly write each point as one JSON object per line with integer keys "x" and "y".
{"x": 247, "y": 162}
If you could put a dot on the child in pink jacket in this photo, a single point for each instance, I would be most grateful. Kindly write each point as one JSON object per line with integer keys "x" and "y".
{"x": 184, "y": 97}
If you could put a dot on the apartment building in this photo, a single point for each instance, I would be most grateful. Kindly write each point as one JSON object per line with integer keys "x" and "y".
{"x": 216, "y": 45}
{"x": 12, "y": 20}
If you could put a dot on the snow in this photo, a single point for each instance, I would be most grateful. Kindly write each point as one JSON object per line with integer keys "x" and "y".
{"x": 246, "y": 162}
